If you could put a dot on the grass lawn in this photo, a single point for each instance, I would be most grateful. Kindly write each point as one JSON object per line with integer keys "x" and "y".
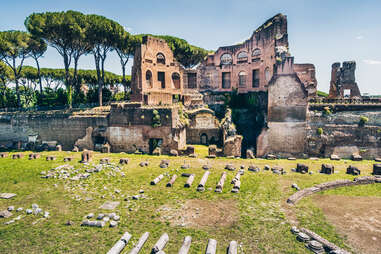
{"x": 256, "y": 217}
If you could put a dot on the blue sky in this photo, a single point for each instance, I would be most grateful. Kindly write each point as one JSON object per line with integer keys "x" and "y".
{"x": 320, "y": 31}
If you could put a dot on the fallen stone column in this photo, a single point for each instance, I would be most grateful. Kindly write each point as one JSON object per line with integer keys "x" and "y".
{"x": 236, "y": 187}
{"x": 220, "y": 184}
{"x": 323, "y": 241}
{"x": 140, "y": 243}
{"x": 189, "y": 181}
{"x": 160, "y": 244}
{"x": 172, "y": 181}
{"x": 186, "y": 245}
{"x": 93, "y": 223}
{"x": 236, "y": 178}
{"x": 212, "y": 246}
{"x": 201, "y": 185}
{"x": 119, "y": 245}
{"x": 157, "y": 179}
{"x": 233, "y": 247}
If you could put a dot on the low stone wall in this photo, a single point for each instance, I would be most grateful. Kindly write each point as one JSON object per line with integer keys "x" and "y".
{"x": 327, "y": 244}
{"x": 331, "y": 185}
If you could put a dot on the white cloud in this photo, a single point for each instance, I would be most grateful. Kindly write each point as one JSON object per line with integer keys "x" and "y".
{"x": 359, "y": 37}
{"x": 128, "y": 29}
{"x": 371, "y": 62}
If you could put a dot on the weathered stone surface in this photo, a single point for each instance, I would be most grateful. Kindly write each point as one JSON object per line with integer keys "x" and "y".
{"x": 106, "y": 148}
{"x": 189, "y": 181}
{"x": 140, "y": 244}
{"x": 51, "y": 158}
{"x": 160, "y": 244}
{"x": 17, "y": 156}
{"x": 157, "y": 179}
{"x": 157, "y": 151}
{"x": 173, "y": 152}
{"x": 123, "y": 161}
{"x": 301, "y": 168}
{"x": 250, "y": 154}
{"x": 327, "y": 169}
{"x": 376, "y": 169}
{"x": 5, "y": 214}
{"x": 230, "y": 167}
{"x": 7, "y": 195}
{"x": 86, "y": 156}
{"x": 4, "y": 155}
{"x": 352, "y": 170}
{"x": 109, "y": 205}
{"x": 59, "y": 148}
{"x": 67, "y": 159}
{"x": 212, "y": 151}
{"x": 144, "y": 164}
{"x": 211, "y": 247}
{"x": 334, "y": 157}
{"x": 121, "y": 244}
{"x": 89, "y": 223}
{"x": 201, "y": 185}
{"x": 302, "y": 237}
{"x": 356, "y": 157}
{"x": 233, "y": 247}
{"x": 186, "y": 245}
{"x": 220, "y": 184}
{"x": 254, "y": 168}
{"x": 172, "y": 181}
{"x": 104, "y": 161}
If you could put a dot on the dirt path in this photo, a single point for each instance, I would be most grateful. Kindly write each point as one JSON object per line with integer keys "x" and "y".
{"x": 358, "y": 218}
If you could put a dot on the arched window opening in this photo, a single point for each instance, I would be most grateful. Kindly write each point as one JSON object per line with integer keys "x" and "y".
{"x": 242, "y": 57}
{"x": 176, "y": 80}
{"x": 242, "y": 79}
{"x": 256, "y": 52}
{"x": 160, "y": 58}
{"x": 226, "y": 59}
{"x": 149, "y": 79}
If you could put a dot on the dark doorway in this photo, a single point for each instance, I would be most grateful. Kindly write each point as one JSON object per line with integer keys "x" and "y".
{"x": 204, "y": 139}
{"x": 161, "y": 78}
{"x": 154, "y": 143}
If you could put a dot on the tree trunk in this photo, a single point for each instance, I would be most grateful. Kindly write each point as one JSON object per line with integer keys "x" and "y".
{"x": 124, "y": 81}
{"x": 17, "y": 83}
{"x": 39, "y": 74}
{"x": 75, "y": 75}
{"x": 67, "y": 82}
{"x": 102, "y": 76}
{"x": 97, "y": 58}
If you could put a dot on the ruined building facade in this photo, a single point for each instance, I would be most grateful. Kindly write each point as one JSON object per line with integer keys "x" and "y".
{"x": 343, "y": 81}
{"x": 249, "y": 66}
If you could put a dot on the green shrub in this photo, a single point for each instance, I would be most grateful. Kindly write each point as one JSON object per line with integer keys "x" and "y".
{"x": 320, "y": 131}
{"x": 156, "y": 120}
{"x": 327, "y": 111}
{"x": 363, "y": 120}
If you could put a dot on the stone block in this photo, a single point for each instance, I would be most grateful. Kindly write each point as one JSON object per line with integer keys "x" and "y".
{"x": 59, "y": 148}
{"x": 334, "y": 157}
{"x": 109, "y": 205}
{"x": 352, "y": 170}
{"x": 212, "y": 151}
{"x": 123, "y": 161}
{"x": 7, "y": 195}
{"x": 376, "y": 169}
{"x": 51, "y": 158}
{"x": 75, "y": 149}
{"x": 301, "y": 168}
{"x": 4, "y": 155}
{"x": 86, "y": 156}
{"x": 106, "y": 148}
{"x": 66, "y": 159}
{"x": 104, "y": 161}
{"x": 327, "y": 169}
{"x": 157, "y": 151}
{"x": 34, "y": 156}
{"x": 250, "y": 154}
{"x": 356, "y": 157}
{"x": 174, "y": 152}
{"x": 17, "y": 156}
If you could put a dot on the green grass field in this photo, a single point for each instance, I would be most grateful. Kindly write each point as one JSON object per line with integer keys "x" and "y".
{"x": 260, "y": 223}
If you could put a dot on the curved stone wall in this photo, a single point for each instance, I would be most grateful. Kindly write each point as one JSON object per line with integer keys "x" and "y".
{"x": 331, "y": 185}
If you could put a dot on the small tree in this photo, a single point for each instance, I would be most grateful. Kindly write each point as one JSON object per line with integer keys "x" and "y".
{"x": 14, "y": 48}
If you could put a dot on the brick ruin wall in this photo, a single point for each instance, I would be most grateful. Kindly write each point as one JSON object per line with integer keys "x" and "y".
{"x": 125, "y": 129}
{"x": 343, "y": 134}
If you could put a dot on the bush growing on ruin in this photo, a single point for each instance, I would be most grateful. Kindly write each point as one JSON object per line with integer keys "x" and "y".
{"x": 156, "y": 121}
{"x": 327, "y": 111}
{"x": 363, "y": 120}
{"x": 320, "y": 131}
